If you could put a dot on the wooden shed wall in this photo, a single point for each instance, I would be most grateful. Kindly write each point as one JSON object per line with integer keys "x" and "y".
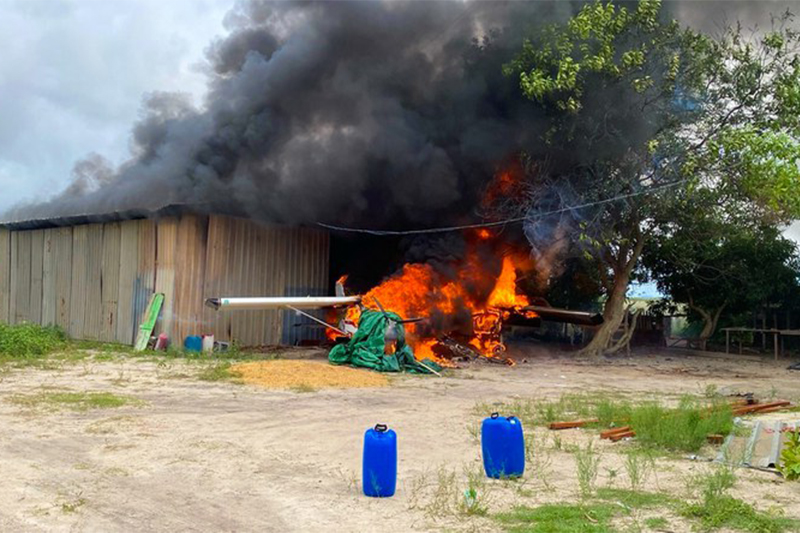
{"x": 95, "y": 280}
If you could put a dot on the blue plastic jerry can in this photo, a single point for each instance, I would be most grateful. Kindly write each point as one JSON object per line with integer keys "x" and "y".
{"x": 502, "y": 446}
{"x": 380, "y": 462}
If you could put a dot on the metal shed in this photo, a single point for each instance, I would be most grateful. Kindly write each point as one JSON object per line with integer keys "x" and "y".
{"x": 94, "y": 278}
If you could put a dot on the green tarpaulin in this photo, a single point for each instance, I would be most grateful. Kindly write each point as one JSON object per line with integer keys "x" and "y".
{"x": 367, "y": 346}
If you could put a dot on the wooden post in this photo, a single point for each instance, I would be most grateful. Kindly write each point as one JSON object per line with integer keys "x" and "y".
{"x": 775, "y": 342}
{"x": 727, "y": 341}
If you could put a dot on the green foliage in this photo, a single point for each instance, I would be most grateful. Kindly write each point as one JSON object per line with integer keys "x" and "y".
{"x": 557, "y": 67}
{"x": 27, "y": 341}
{"x": 790, "y": 457}
{"x": 702, "y": 115}
{"x": 708, "y": 260}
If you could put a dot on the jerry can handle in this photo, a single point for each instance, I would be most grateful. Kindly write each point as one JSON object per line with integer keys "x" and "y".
{"x": 495, "y": 415}
{"x": 380, "y": 428}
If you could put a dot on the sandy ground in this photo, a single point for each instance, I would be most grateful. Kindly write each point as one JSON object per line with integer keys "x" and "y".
{"x": 220, "y": 456}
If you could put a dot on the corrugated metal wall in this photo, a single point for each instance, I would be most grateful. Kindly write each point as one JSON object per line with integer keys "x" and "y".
{"x": 95, "y": 280}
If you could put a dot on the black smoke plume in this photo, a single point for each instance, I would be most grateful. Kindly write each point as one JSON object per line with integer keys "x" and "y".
{"x": 368, "y": 113}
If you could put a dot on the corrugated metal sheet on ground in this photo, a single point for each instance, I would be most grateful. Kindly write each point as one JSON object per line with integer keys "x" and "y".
{"x": 760, "y": 447}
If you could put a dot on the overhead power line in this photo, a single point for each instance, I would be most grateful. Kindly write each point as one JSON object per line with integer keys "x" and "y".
{"x": 496, "y": 223}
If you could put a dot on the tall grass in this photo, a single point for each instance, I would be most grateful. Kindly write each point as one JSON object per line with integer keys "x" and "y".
{"x": 680, "y": 428}
{"x": 683, "y": 428}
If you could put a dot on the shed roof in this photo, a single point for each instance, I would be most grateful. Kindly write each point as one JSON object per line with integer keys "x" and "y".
{"x": 23, "y": 223}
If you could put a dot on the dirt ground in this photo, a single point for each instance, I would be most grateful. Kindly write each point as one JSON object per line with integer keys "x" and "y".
{"x": 221, "y": 456}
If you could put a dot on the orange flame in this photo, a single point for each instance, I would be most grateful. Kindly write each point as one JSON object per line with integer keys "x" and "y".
{"x": 419, "y": 291}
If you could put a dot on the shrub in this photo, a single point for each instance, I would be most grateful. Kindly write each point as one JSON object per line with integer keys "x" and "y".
{"x": 27, "y": 341}
{"x": 790, "y": 456}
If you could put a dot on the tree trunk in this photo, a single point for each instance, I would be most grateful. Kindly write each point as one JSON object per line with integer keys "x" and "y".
{"x": 613, "y": 313}
{"x": 710, "y": 321}
{"x": 614, "y": 309}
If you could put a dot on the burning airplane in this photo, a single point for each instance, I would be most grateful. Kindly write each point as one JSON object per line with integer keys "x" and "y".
{"x": 446, "y": 319}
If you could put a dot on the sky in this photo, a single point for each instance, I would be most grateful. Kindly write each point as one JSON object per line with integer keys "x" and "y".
{"x": 73, "y": 74}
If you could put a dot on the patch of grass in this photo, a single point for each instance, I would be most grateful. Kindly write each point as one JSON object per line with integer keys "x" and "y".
{"x": 681, "y": 428}
{"x": 303, "y": 387}
{"x": 217, "y": 372}
{"x": 588, "y": 517}
{"x": 560, "y": 518}
{"x": 714, "y": 508}
{"x": 445, "y": 493}
{"x": 76, "y": 401}
{"x": 733, "y": 513}
{"x": 73, "y": 506}
{"x": 635, "y": 499}
{"x": 656, "y": 522}
{"x": 29, "y": 341}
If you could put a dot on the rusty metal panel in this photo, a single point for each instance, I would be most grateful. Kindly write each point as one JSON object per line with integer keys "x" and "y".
{"x": 62, "y": 265}
{"x": 128, "y": 263}
{"x": 80, "y": 262}
{"x": 93, "y": 311}
{"x": 166, "y": 262}
{"x": 146, "y": 270}
{"x": 189, "y": 277}
{"x": 37, "y": 271}
{"x": 109, "y": 281}
{"x": 48, "y": 278}
{"x": 22, "y": 288}
{"x": 12, "y": 284}
{"x": 5, "y": 273}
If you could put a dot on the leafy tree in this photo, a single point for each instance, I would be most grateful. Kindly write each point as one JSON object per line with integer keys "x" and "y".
{"x": 715, "y": 264}
{"x": 639, "y": 112}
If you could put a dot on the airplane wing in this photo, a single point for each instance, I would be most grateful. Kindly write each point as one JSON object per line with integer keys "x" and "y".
{"x": 280, "y": 302}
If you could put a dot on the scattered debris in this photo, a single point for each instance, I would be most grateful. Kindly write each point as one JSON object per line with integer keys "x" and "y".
{"x": 572, "y": 424}
{"x": 616, "y": 437}
{"x": 607, "y": 434}
{"x": 777, "y": 405}
{"x": 795, "y": 366}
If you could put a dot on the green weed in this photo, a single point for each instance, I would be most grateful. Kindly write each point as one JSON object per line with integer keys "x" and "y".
{"x": 560, "y": 518}
{"x": 28, "y": 341}
{"x": 656, "y": 522}
{"x": 586, "y": 463}
{"x": 682, "y": 428}
{"x": 635, "y": 499}
{"x": 638, "y": 465}
{"x": 714, "y": 508}
{"x": 790, "y": 456}
{"x": 217, "y": 372}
